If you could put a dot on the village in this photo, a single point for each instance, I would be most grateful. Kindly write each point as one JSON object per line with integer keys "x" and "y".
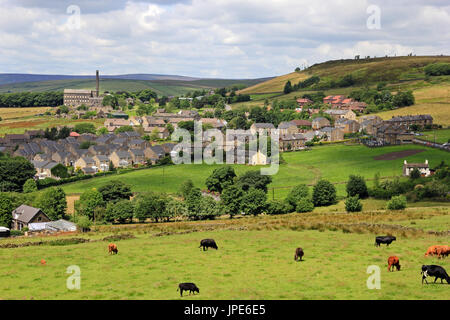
{"x": 125, "y": 140}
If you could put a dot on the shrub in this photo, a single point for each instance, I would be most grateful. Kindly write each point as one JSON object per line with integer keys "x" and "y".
{"x": 305, "y": 205}
{"x": 324, "y": 193}
{"x": 397, "y": 203}
{"x": 353, "y": 204}
{"x": 30, "y": 186}
{"x": 83, "y": 223}
{"x": 356, "y": 186}
{"x": 297, "y": 193}
{"x": 278, "y": 207}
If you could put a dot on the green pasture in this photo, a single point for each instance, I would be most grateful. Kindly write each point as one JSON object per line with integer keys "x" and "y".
{"x": 332, "y": 162}
{"x": 248, "y": 265}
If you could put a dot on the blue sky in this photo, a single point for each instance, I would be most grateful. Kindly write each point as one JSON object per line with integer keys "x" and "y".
{"x": 221, "y": 38}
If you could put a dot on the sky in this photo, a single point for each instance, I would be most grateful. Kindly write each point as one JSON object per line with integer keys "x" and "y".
{"x": 212, "y": 39}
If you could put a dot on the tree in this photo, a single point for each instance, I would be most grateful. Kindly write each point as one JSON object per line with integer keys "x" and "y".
{"x": 209, "y": 208}
{"x": 102, "y": 131}
{"x": 83, "y": 223}
{"x": 298, "y": 192}
{"x": 287, "y": 87}
{"x": 254, "y": 201}
{"x": 124, "y": 129}
{"x": 30, "y": 186}
{"x": 120, "y": 211}
{"x": 356, "y": 186}
{"x": 254, "y": 179}
{"x": 353, "y": 204}
{"x": 14, "y": 172}
{"x": 231, "y": 198}
{"x": 304, "y": 205}
{"x": 150, "y": 205}
{"x": 278, "y": 207}
{"x": 53, "y": 203}
{"x": 6, "y": 208}
{"x": 186, "y": 188}
{"x": 397, "y": 203}
{"x": 84, "y": 128}
{"x": 220, "y": 178}
{"x": 89, "y": 201}
{"x": 324, "y": 193}
{"x": 193, "y": 201}
{"x": 60, "y": 171}
{"x": 115, "y": 190}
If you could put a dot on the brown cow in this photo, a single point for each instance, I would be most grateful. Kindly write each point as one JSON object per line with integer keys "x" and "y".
{"x": 440, "y": 251}
{"x": 431, "y": 251}
{"x": 298, "y": 254}
{"x": 112, "y": 248}
{"x": 393, "y": 261}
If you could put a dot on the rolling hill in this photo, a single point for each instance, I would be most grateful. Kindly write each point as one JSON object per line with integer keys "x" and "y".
{"x": 161, "y": 84}
{"x": 364, "y": 71}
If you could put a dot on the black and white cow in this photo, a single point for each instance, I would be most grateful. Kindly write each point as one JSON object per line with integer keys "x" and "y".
{"x": 434, "y": 271}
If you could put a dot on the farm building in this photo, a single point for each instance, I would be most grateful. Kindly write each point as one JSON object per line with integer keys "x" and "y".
{"x": 24, "y": 215}
{"x": 423, "y": 168}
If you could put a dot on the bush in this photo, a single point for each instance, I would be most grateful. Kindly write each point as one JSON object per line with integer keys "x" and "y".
{"x": 353, "y": 204}
{"x": 30, "y": 186}
{"x": 356, "y": 186}
{"x": 83, "y": 223}
{"x": 297, "y": 193}
{"x": 324, "y": 193}
{"x": 397, "y": 203}
{"x": 305, "y": 205}
{"x": 16, "y": 233}
{"x": 278, "y": 207}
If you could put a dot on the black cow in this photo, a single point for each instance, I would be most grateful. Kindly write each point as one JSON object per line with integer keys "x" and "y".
{"x": 384, "y": 239}
{"x": 298, "y": 254}
{"x": 191, "y": 287}
{"x": 436, "y": 272}
{"x": 208, "y": 243}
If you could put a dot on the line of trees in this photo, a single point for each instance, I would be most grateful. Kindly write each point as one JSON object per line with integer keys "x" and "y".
{"x": 31, "y": 99}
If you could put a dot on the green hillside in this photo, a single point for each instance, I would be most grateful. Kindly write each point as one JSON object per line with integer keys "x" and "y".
{"x": 363, "y": 71}
{"x": 161, "y": 87}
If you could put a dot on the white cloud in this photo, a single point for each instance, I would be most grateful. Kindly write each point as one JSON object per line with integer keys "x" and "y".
{"x": 226, "y": 38}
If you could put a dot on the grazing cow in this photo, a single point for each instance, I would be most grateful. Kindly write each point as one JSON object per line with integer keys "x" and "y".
{"x": 436, "y": 272}
{"x": 112, "y": 248}
{"x": 299, "y": 254}
{"x": 384, "y": 239}
{"x": 43, "y": 261}
{"x": 191, "y": 287}
{"x": 208, "y": 243}
{"x": 440, "y": 251}
{"x": 431, "y": 251}
{"x": 393, "y": 261}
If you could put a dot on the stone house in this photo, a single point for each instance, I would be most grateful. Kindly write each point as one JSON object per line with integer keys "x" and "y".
{"x": 423, "y": 168}
{"x": 23, "y": 215}
{"x": 320, "y": 122}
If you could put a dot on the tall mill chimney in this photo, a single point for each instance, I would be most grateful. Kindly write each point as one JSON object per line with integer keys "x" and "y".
{"x": 97, "y": 82}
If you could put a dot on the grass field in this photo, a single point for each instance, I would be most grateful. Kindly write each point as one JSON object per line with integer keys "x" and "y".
{"x": 332, "y": 162}
{"x": 13, "y": 113}
{"x": 441, "y": 136}
{"x": 433, "y": 100}
{"x": 255, "y": 260}
{"x": 36, "y": 123}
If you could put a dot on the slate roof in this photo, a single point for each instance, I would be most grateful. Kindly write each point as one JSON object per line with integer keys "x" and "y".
{"x": 26, "y": 213}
